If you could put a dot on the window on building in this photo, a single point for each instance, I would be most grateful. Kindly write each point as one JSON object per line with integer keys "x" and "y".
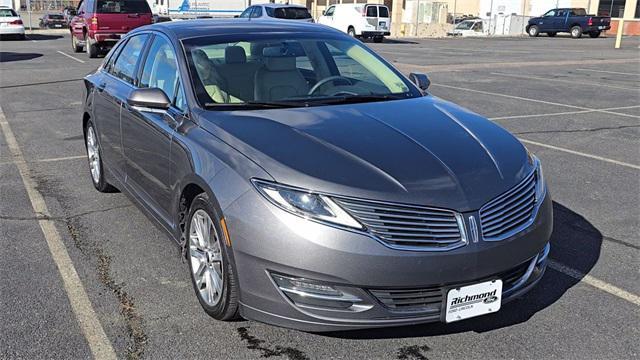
{"x": 613, "y": 8}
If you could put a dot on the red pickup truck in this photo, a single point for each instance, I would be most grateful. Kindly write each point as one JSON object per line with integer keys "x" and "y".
{"x": 99, "y": 24}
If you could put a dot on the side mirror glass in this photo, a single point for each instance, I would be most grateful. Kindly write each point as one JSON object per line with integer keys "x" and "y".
{"x": 420, "y": 80}
{"x": 324, "y": 12}
{"x": 149, "y": 99}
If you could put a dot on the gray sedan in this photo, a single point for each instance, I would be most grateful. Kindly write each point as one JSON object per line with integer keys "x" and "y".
{"x": 309, "y": 183}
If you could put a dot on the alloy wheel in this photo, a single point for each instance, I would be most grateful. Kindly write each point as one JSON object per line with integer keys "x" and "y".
{"x": 205, "y": 254}
{"x": 93, "y": 152}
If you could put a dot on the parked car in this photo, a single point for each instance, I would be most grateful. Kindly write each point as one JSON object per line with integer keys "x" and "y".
{"x": 69, "y": 13}
{"x": 359, "y": 20}
{"x": 469, "y": 28}
{"x": 52, "y": 21}
{"x": 99, "y": 24}
{"x": 572, "y": 20}
{"x": 310, "y": 184}
{"x": 11, "y": 23}
{"x": 277, "y": 11}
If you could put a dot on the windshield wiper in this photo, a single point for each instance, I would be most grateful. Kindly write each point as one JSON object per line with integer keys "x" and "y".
{"x": 259, "y": 104}
{"x": 352, "y": 99}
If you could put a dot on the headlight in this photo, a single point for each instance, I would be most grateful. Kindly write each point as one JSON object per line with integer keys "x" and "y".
{"x": 305, "y": 204}
{"x": 540, "y": 184}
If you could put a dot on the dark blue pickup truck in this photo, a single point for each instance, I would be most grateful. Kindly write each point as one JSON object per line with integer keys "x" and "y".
{"x": 572, "y": 20}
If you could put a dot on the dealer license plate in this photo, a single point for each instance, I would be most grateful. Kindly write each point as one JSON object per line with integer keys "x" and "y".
{"x": 473, "y": 300}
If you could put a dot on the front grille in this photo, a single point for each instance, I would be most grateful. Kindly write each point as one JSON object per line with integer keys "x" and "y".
{"x": 510, "y": 211}
{"x": 407, "y": 226}
{"x": 429, "y": 300}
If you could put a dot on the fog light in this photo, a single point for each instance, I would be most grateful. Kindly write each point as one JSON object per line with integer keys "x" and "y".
{"x": 313, "y": 294}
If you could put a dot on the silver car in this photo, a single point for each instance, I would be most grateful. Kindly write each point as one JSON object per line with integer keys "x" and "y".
{"x": 277, "y": 12}
{"x": 309, "y": 183}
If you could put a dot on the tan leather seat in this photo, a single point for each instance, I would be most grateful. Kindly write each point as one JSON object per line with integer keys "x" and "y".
{"x": 238, "y": 74}
{"x": 279, "y": 78}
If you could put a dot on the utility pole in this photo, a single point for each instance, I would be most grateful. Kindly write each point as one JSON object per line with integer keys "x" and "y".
{"x": 490, "y": 17}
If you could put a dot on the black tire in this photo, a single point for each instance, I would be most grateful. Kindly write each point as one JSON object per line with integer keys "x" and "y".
{"x": 92, "y": 49}
{"x": 74, "y": 44}
{"x": 351, "y": 31}
{"x": 594, "y": 34}
{"x": 552, "y": 34}
{"x": 378, "y": 39}
{"x": 533, "y": 31}
{"x": 576, "y": 32}
{"x": 226, "y": 308}
{"x": 101, "y": 183}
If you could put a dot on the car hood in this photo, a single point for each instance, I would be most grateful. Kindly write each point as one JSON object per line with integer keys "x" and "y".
{"x": 423, "y": 151}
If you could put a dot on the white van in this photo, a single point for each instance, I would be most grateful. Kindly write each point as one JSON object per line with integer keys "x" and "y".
{"x": 363, "y": 20}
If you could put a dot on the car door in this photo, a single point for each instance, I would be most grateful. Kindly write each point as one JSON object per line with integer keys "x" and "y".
{"x": 384, "y": 19}
{"x": 546, "y": 22}
{"x": 558, "y": 23}
{"x": 327, "y": 18}
{"x": 147, "y": 134}
{"x": 112, "y": 90}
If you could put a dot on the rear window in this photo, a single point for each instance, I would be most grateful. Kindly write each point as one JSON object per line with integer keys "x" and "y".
{"x": 384, "y": 12}
{"x": 288, "y": 13}
{"x": 578, "y": 12}
{"x": 7, "y": 13}
{"x": 58, "y": 17}
{"x": 122, "y": 7}
{"x": 372, "y": 11}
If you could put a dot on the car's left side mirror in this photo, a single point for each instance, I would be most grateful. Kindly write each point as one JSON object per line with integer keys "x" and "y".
{"x": 149, "y": 99}
{"x": 420, "y": 80}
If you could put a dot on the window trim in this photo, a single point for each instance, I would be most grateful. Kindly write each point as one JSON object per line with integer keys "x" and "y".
{"x": 142, "y": 52}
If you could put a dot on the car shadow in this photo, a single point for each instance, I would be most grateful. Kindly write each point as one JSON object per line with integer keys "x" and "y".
{"x": 575, "y": 243}
{"x": 14, "y": 56}
{"x": 390, "y": 41}
{"x": 40, "y": 37}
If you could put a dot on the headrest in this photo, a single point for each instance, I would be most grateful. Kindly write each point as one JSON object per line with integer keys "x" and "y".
{"x": 199, "y": 55}
{"x": 235, "y": 55}
{"x": 280, "y": 63}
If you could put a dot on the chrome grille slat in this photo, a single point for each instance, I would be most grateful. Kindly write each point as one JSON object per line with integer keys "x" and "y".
{"x": 509, "y": 211}
{"x": 406, "y": 226}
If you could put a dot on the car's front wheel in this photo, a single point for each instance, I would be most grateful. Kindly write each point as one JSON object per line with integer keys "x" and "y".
{"x": 351, "y": 31}
{"x": 533, "y": 31}
{"x": 74, "y": 44}
{"x": 210, "y": 264}
{"x": 94, "y": 156}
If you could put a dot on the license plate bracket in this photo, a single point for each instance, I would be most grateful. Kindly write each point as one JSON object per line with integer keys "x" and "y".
{"x": 473, "y": 300}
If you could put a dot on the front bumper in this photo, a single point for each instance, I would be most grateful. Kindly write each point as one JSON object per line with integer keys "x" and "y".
{"x": 271, "y": 241}
{"x": 109, "y": 38}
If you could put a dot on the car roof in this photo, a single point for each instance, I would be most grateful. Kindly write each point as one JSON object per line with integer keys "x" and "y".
{"x": 272, "y": 5}
{"x": 207, "y": 27}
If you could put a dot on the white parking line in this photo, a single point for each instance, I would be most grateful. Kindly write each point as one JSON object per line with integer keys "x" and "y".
{"x": 80, "y": 304}
{"x": 71, "y": 57}
{"x": 562, "y": 113}
{"x": 535, "y": 100}
{"x": 597, "y": 283}
{"x": 608, "y": 72}
{"x": 572, "y": 82}
{"x": 48, "y": 159}
{"x": 637, "y": 167}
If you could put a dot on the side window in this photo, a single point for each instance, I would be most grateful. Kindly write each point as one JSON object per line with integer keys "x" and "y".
{"x": 372, "y": 11}
{"x": 550, "y": 13}
{"x": 125, "y": 65}
{"x": 180, "y": 101}
{"x": 330, "y": 11}
{"x": 383, "y": 11}
{"x": 561, "y": 13}
{"x": 246, "y": 13}
{"x": 111, "y": 57}
{"x": 160, "y": 68}
{"x": 257, "y": 12}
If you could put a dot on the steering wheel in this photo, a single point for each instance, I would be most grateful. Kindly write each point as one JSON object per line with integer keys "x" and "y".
{"x": 326, "y": 80}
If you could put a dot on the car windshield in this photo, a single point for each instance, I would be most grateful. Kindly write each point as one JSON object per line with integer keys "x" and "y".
{"x": 465, "y": 25}
{"x": 7, "y": 13}
{"x": 290, "y": 70}
{"x": 288, "y": 13}
{"x": 122, "y": 7}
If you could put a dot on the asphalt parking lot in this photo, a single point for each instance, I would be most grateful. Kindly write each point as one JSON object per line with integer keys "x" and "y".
{"x": 575, "y": 103}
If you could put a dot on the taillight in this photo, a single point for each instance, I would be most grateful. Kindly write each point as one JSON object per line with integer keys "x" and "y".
{"x": 16, "y": 22}
{"x": 94, "y": 23}
{"x": 590, "y": 22}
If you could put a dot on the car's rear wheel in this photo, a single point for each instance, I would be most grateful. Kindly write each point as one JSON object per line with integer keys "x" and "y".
{"x": 92, "y": 48}
{"x": 576, "y": 32}
{"x": 594, "y": 34}
{"x": 378, "y": 39}
{"x": 74, "y": 44}
{"x": 94, "y": 155}
{"x": 551, "y": 34}
{"x": 210, "y": 264}
{"x": 533, "y": 31}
